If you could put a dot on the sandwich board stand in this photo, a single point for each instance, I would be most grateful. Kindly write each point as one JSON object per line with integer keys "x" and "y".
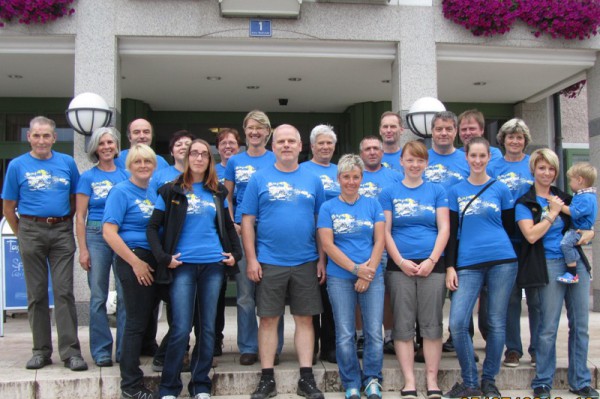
{"x": 12, "y": 277}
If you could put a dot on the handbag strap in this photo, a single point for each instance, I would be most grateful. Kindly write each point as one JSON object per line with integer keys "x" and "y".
{"x": 462, "y": 215}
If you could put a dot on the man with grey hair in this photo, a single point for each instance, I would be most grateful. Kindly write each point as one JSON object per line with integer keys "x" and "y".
{"x": 279, "y": 212}
{"x": 447, "y": 166}
{"x": 322, "y": 145}
{"x": 41, "y": 186}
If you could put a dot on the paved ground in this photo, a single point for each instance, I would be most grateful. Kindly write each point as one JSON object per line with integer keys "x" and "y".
{"x": 235, "y": 381}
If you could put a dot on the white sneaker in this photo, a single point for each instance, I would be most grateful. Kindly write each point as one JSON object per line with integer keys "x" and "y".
{"x": 202, "y": 395}
{"x": 168, "y": 397}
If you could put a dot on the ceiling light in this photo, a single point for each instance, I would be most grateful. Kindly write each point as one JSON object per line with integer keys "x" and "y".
{"x": 385, "y": 81}
{"x": 479, "y": 83}
{"x": 15, "y": 76}
{"x": 294, "y": 79}
{"x": 213, "y": 78}
{"x": 252, "y": 87}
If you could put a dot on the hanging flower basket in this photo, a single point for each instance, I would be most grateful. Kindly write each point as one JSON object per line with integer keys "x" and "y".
{"x": 482, "y": 17}
{"x": 568, "y": 19}
{"x": 34, "y": 11}
{"x": 574, "y": 90}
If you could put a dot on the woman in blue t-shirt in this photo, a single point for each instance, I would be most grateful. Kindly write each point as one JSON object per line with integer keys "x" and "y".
{"x": 198, "y": 241}
{"x": 513, "y": 170}
{"x": 95, "y": 256}
{"x": 538, "y": 214}
{"x": 417, "y": 229}
{"x": 351, "y": 230}
{"x": 481, "y": 217}
{"x": 126, "y": 215}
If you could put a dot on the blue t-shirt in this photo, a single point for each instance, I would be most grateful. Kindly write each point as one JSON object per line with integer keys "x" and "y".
{"x": 163, "y": 176}
{"x": 353, "y": 228}
{"x": 414, "y": 225}
{"x": 584, "y": 210}
{"x": 328, "y": 176}
{"x": 374, "y": 182}
{"x": 482, "y": 236}
{"x": 391, "y": 160}
{"x": 240, "y": 168}
{"x": 553, "y": 236}
{"x": 96, "y": 184}
{"x": 120, "y": 160}
{"x": 220, "y": 172}
{"x": 516, "y": 175}
{"x": 199, "y": 240}
{"x": 285, "y": 205}
{"x": 130, "y": 207}
{"x": 446, "y": 169}
{"x": 41, "y": 187}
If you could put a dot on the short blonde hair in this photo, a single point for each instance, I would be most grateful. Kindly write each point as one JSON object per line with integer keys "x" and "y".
{"x": 348, "y": 162}
{"x": 138, "y": 151}
{"x": 584, "y": 170}
{"x": 513, "y": 126}
{"x": 544, "y": 154}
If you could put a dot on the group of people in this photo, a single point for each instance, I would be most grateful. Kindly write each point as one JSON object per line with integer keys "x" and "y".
{"x": 374, "y": 241}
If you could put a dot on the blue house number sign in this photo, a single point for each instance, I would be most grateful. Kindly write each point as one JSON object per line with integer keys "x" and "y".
{"x": 260, "y": 28}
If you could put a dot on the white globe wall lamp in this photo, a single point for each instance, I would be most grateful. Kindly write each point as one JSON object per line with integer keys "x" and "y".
{"x": 88, "y": 112}
{"x": 420, "y": 115}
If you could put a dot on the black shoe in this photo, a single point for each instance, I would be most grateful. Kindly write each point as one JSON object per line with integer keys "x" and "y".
{"x": 106, "y": 362}
{"x": 476, "y": 357}
{"x": 139, "y": 393}
{"x": 276, "y": 360}
{"x": 448, "y": 346}
{"x": 360, "y": 346}
{"x": 248, "y": 359}
{"x": 460, "y": 390}
{"x": 37, "y": 362}
{"x": 76, "y": 363}
{"x": 267, "y": 388}
{"x": 585, "y": 392}
{"x": 218, "y": 351}
{"x": 307, "y": 387}
{"x": 542, "y": 392}
{"x": 489, "y": 390}
{"x": 157, "y": 365}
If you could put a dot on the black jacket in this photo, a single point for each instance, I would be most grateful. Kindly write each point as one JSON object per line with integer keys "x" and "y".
{"x": 171, "y": 220}
{"x": 532, "y": 257}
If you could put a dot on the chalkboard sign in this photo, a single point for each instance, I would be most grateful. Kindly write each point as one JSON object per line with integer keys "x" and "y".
{"x": 15, "y": 292}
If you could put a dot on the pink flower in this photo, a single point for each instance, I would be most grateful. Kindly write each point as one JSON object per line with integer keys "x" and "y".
{"x": 34, "y": 11}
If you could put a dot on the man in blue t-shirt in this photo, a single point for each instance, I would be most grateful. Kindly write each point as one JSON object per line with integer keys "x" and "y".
{"x": 279, "y": 212}
{"x": 390, "y": 130}
{"x": 446, "y": 166}
{"x": 41, "y": 186}
{"x": 140, "y": 131}
{"x": 471, "y": 123}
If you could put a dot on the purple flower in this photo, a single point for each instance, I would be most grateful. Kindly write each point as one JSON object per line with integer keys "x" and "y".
{"x": 34, "y": 11}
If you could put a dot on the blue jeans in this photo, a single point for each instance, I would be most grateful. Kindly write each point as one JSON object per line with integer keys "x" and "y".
{"x": 101, "y": 258}
{"x": 513, "y": 320}
{"x": 500, "y": 280}
{"x": 576, "y": 299}
{"x": 343, "y": 300}
{"x": 194, "y": 287}
{"x": 567, "y": 246}
{"x": 247, "y": 325}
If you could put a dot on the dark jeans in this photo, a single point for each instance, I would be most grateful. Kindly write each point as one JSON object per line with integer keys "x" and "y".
{"x": 140, "y": 302}
{"x": 220, "y": 321}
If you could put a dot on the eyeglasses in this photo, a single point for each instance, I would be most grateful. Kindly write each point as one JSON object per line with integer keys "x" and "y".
{"x": 202, "y": 155}
{"x": 252, "y": 129}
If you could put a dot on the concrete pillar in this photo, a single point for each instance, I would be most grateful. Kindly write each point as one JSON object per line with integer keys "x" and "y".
{"x": 97, "y": 71}
{"x": 593, "y": 92}
{"x": 414, "y": 71}
{"x": 538, "y": 117}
